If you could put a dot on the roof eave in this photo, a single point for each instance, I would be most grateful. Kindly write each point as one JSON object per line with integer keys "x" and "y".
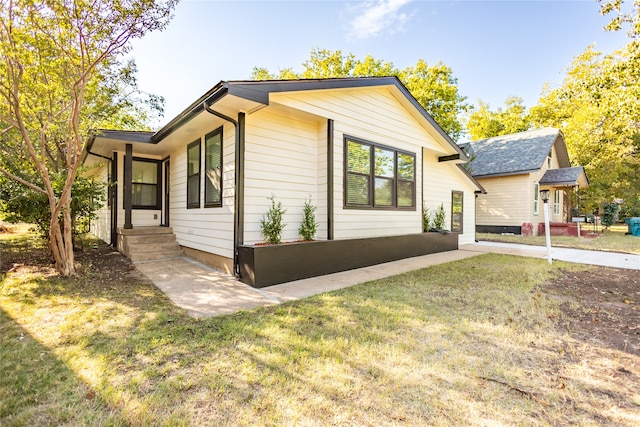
{"x": 512, "y": 173}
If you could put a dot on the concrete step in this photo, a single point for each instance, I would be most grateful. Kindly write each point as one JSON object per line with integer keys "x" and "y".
{"x": 141, "y": 231}
{"x": 150, "y": 239}
{"x": 133, "y": 248}
{"x": 154, "y": 256}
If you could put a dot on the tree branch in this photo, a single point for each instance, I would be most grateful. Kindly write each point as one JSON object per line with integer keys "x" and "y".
{"x": 22, "y": 181}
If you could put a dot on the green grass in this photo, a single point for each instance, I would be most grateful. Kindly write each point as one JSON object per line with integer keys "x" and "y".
{"x": 612, "y": 240}
{"x": 467, "y": 343}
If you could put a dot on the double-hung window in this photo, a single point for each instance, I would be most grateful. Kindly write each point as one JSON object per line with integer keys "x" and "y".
{"x": 457, "y": 209}
{"x": 145, "y": 191}
{"x": 536, "y": 198}
{"x": 213, "y": 169}
{"x": 378, "y": 177}
{"x": 556, "y": 202}
{"x": 193, "y": 174}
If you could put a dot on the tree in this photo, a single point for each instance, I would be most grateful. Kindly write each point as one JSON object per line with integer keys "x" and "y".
{"x": 484, "y": 123}
{"x": 57, "y": 56}
{"x": 435, "y": 87}
{"x": 596, "y": 107}
{"x": 625, "y": 15}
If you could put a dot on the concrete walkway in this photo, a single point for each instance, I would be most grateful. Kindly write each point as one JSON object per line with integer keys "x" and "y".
{"x": 580, "y": 256}
{"x": 203, "y": 291}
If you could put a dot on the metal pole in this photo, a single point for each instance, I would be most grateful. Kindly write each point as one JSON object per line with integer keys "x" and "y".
{"x": 547, "y": 231}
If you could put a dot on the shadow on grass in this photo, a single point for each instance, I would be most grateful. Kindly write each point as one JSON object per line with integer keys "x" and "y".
{"x": 427, "y": 347}
{"x": 38, "y": 388}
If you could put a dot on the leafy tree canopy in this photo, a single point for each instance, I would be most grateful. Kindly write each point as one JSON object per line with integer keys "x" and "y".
{"x": 598, "y": 111}
{"x": 61, "y": 76}
{"x": 484, "y": 123}
{"x": 625, "y": 14}
{"x": 435, "y": 87}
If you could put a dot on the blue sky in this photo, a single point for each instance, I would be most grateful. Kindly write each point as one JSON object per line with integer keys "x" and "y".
{"x": 495, "y": 48}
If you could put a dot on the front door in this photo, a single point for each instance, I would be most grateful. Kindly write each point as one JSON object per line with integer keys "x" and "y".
{"x": 165, "y": 193}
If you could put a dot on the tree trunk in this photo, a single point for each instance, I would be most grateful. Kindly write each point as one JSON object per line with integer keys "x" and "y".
{"x": 61, "y": 241}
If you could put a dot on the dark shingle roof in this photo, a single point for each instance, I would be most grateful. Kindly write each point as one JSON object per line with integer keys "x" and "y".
{"x": 565, "y": 177}
{"x": 511, "y": 154}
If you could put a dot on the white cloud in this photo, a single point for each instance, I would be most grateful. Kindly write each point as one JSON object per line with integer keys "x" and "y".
{"x": 374, "y": 18}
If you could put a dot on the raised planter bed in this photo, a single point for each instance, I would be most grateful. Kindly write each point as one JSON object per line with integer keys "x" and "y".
{"x": 265, "y": 265}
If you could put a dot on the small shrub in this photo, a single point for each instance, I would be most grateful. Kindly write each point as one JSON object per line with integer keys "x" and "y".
{"x": 609, "y": 214}
{"x": 426, "y": 218}
{"x": 271, "y": 223}
{"x": 309, "y": 226}
{"x": 439, "y": 218}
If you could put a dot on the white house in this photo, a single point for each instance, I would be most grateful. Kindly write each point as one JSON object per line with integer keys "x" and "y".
{"x": 362, "y": 150}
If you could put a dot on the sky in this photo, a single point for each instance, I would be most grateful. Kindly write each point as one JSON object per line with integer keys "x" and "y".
{"x": 495, "y": 48}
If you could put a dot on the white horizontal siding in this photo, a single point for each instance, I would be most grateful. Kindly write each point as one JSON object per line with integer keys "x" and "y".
{"x": 440, "y": 179}
{"x": 206, "y": 229}
{"x": 375, "y": 114}
{"x": 359, "y": 223}
{"x": 281, "y": 159}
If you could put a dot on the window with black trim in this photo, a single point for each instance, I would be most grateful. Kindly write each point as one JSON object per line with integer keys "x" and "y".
{"x": 378, "y": 177}
{"x": 213, "y": 169}
{"x": 145, "y": 177}
{"x": 457, "y": 210}
{"x": 193, "y": 174}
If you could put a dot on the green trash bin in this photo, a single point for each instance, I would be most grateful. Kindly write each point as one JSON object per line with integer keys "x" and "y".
{"x": 634, "y": 226}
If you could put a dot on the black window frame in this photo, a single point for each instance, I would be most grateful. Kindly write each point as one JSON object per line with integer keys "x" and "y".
{"x": 158, "y": 205}
{"x": 371, "y": 175}
{"x": 455, "y": 193}
{"x": 198, "y": 143}
{"x": 207, "y": 183}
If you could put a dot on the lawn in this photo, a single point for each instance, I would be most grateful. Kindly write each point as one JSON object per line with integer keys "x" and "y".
{"x": 612, "y": 240}
{"x": 474, "y": 342}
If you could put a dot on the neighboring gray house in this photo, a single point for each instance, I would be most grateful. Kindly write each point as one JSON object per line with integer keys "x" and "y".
{"x": 513, "y": 169}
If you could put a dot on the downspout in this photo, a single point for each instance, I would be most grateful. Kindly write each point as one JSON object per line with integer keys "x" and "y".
{"x": 330, "y": 130}
{"x": 238, "y": 214}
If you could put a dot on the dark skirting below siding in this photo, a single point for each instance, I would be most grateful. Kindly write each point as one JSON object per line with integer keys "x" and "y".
{"x": 499, "y": 229}
{"x": 267, "y": 265}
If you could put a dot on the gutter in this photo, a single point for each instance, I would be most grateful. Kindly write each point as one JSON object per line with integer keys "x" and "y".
{"x": 88, "y": 150}
{"x": 238, "y": 214}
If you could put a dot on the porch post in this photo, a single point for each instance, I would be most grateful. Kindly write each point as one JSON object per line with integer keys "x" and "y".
{"x": 128, "y": 176}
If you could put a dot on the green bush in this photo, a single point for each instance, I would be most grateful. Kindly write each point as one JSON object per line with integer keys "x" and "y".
{"x": 439, "y": 218}
{"x": 309, "y": 226}
{"x": 609, "y": 211}
{"x": 426, "y": 218}
{"x": 272, "y": 223}
{"x": 19, "y": 203}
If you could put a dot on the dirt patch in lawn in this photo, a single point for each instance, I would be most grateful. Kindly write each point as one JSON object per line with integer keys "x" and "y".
{"x": 601, "y": 306}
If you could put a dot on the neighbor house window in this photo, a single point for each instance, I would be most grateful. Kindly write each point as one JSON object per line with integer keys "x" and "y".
{"x": 213, "y": 169}
{"x": 378, "y": 177}
{"x": 556, "y": 202}
{"x": 536, "y": 198}
{"x": 145, "y": 191}
{"x": 193, "y": 174}
{"x": 457, "y": 211}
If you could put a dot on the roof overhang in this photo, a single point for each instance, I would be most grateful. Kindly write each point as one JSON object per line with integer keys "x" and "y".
{"x": 231, "y": 97}
{"x": 565, "y": 177}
